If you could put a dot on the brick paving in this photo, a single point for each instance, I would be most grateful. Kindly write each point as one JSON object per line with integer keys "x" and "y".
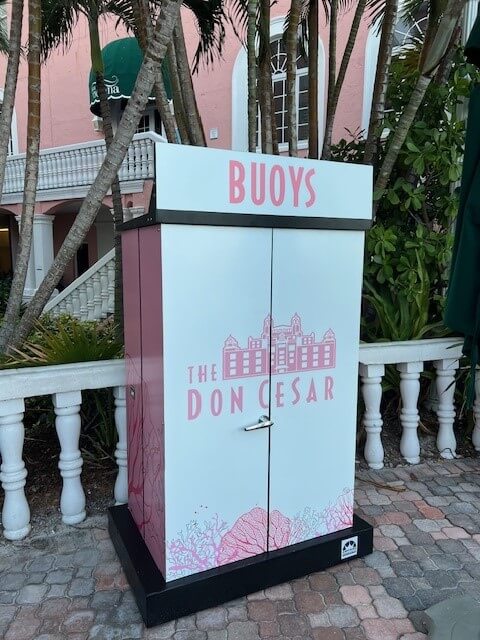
{"x": 69, "y": 584}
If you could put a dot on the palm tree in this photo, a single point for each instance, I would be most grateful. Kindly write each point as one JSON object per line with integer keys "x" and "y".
{"x": 12, "y": 311}
{"x": 13, "y": 48}
{"x": 436, "y": 49}
{"x": 291, "y": 46}
{"x": 115, "y": 155}
{"x": 252, "y": 10}
{"x": 381, "y": 79}
{"x": 334, "y": 96}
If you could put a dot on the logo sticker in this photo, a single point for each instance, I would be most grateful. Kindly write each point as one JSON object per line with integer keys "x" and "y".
{"x": 349, "y": 548}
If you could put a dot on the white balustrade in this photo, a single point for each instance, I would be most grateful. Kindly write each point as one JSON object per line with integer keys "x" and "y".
{"x": 65, "y": 384}
{"x": 409, "y": 358}
{"x": 77, "y": 166}
{"x": 68, "y": 424}
{"x": 121, "y": 483}
{"x": 16, "y": 512}
{"x": 89, "y": 297}
{"x": 371, "y": 376}
{"x": 445, "y": 382}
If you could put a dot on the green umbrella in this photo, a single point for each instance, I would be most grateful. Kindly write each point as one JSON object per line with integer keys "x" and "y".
{"x": 122, "y": 60}
{"x": 462, "y": 312}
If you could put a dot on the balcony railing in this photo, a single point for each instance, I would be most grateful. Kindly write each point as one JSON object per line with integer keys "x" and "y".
{"x": 76, "y": 166}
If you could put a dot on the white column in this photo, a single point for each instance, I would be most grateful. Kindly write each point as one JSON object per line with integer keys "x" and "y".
{"x": 409, "y": 418}
{"x": 121, "y": 483}
{"x": 371, "y": 377}
{"x": 445, "y": 382}
{"x": 476, "y": 412}
{"x": 68, "y": 423}
{"x": 30, "y": 288}
{"x": 42, "y": 246}
{"x": 16, "y": 512}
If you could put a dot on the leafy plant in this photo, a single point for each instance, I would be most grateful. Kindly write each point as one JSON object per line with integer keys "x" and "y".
{"x": 65, "y": 340}
{"x": 5, "y": 284}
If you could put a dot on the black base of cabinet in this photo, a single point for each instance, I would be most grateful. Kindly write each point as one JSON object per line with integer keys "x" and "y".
{"x": 160, "y": 602}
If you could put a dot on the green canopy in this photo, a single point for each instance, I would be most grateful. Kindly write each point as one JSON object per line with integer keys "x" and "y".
{"x": 463, "y": 298}
{"x": 122, "y": 60}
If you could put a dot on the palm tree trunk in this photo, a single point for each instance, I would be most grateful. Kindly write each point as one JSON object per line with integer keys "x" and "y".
{"x": 401, "y": 131}
{"x": 347, "y": 54}
{"x": 381, "y": 80}
{"x": 31, "y": 175}
{"x": 291, "y": 88}
{"x": 437, "y": 50}
{"x": 313, "y": 128}
{"x": 178, "y": 106}
{"x": 194, "y": 122}
{"x": 252, "y": 74}
{"x": 114, "y": 157}
{"x": 10, "y": 84}
{"x": 332, "y": 60}
{"x": 265, "y": 77}
{"x": 98, "y": 69}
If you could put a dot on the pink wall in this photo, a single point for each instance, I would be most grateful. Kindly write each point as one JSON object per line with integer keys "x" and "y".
{"x": 66, "y": 118}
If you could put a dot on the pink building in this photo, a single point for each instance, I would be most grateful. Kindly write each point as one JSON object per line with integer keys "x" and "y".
{"x": 290, "y": 349}
{"x": 72, "y": 147}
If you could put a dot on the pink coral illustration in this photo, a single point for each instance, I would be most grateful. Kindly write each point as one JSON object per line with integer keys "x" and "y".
{"x": 197, "y": 548}
{"x": 247, "y": 537}
{"x": 213, "y": 544}
{"x": 339, "y": 515}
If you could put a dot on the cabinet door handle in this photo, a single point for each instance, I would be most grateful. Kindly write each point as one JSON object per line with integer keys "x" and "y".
{"x": 263, "y": 423}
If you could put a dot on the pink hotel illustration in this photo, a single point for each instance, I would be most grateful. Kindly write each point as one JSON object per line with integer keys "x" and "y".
{"x": 291, "y": 351}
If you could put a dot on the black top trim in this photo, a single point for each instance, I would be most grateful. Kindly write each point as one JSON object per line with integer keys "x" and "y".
{"x": 244, "y": 220}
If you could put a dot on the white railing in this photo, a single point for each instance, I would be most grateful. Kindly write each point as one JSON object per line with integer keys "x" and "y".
{"x": 409, "y": 359}
{"x": 77, "y": 165}
{"x": 91, "y": 296}
{"x": 65, "y": 384}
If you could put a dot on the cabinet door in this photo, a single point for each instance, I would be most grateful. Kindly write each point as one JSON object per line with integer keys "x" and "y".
{"x": 216, "y": 295}
{"x": 316, "y": 288}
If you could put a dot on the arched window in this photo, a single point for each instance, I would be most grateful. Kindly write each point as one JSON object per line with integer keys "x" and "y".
{"x": 411, "y": 27}
{"x": 279, "y": 85}
{"x": 13, "y": 141}
{"x": 279, "y": 77}
{"x": 409, "y": 31}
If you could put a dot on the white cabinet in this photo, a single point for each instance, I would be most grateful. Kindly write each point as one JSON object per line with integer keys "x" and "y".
{"x": 242, "y": 313}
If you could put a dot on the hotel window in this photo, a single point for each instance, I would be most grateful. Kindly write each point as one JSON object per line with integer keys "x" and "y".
{"x": 279, "y": 82}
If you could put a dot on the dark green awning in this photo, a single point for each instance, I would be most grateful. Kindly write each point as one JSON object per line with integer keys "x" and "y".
{"x": 122, "y": 60}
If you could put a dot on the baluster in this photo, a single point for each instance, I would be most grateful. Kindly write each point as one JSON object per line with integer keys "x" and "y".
{"x": 476, "y": 412}
{"x": 55, "y": 170}
{"x": 16, "y": 512}
{"x": 144, "y": 157}
{"x": 97, "y": 298}
{"x": 76, "y": 303}
{"x": 409, "y": 418}
{"x": 69, "y": 305}
{"x": 131, "y": 161}
{"x": 104, "y": 290}
{"x": 68, "y": 424}
{"x": 371, "y": 376}
{"x": 121, "y": 488}
{"x": 90, "y": 302}
{"x": 150, "y": 169}
{"x": 82, "y": 294}
{"x": 445, "y": 382}
{"x": 47, "y": 170}
{"x": 111, "y": 286}
{"x": 76, "y": 175}
{"x": 20, "y": 176}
